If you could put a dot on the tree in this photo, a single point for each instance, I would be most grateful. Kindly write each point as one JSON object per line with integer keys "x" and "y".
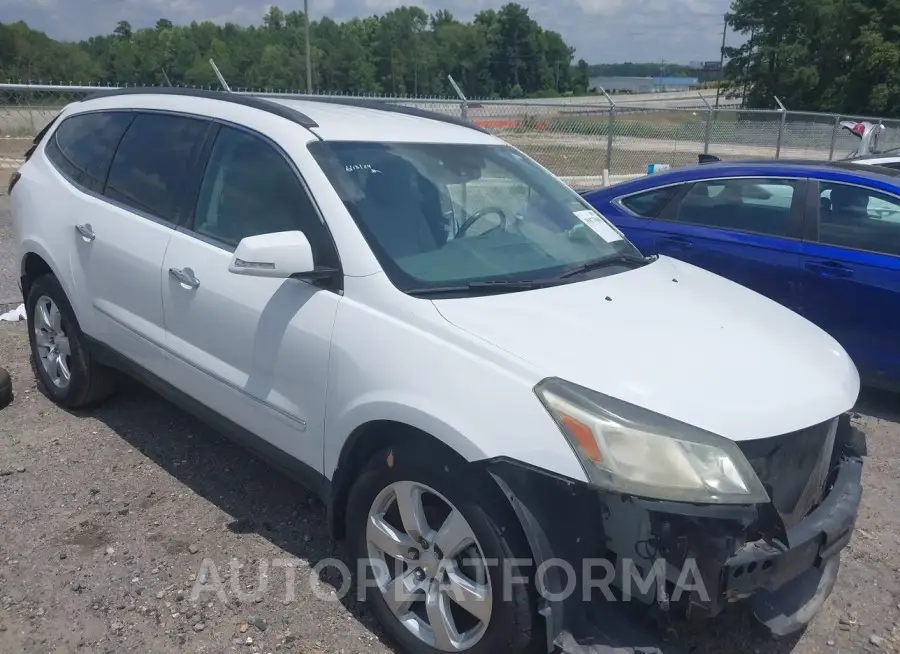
{"x": 123, "y": 29}
{"x": 817, "y": 55}
{"x": 405, "y": 51}
{"x": 582, "y": 81}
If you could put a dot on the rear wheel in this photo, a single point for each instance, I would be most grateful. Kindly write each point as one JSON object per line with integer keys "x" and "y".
{"x": 62, "y": 365}
{"x": 437, "y": 555}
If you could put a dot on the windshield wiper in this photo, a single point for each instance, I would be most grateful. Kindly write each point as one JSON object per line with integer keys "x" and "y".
{"x": 499, "y": 285}
{"x": 597, "y": 264}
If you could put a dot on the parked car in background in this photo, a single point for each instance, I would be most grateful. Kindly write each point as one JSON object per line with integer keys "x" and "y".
{"x": 823, "y": 239}
{"x": 869, "y": 135}
{"x": 480, "y": 376}
{"x": 868, "y": 151}
{"x": 887, "y": 159}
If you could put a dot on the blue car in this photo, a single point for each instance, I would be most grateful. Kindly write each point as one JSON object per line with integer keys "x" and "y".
{"x": 822, "y": 239}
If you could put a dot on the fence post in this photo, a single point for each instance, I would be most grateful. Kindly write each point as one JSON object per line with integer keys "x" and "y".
{"x": 30, "y": 102}
{"x": 709, "y": 121}
{"x": 610, "y": 129}
{"x": 834, "y": 135}
{"x": 463, "y": 103}
{"x": 780, "y": 128}
{"x": 221, "y": 79}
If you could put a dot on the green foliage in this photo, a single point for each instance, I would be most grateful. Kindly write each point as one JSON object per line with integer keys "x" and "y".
{"x": 818, "y": 55}
{"x": 502, "y": 53}
{"x": 34, "y": 55}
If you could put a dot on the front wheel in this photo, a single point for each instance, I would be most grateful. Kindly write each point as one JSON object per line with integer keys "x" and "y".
{"x": 438, "y": 556}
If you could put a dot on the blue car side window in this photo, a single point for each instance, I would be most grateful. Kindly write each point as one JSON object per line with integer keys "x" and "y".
{"x": 859, "y": 218}
{"x": 649, "y": 204}
{"x": 757, "y": 206}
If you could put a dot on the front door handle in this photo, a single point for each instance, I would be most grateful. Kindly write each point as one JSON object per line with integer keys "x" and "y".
{"x": 829, "y": 269}
{"x": 185, "y": 276}
{"x": 86, "y": 231}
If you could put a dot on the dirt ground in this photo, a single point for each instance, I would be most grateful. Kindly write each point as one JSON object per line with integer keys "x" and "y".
{"x": 109, "y": 519}
{"x": 13, "y": 147}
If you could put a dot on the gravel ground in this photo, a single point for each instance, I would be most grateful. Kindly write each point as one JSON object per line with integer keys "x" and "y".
{"x": 110, "y": 518}
{"x": 9, "y": 290}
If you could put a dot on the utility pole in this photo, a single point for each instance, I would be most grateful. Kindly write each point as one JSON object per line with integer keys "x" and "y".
{"x": 722, "y": 61}
{"x": 308, "y": 49}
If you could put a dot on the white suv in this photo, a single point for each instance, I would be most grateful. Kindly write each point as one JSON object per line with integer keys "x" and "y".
{"x": 497, "y": 396}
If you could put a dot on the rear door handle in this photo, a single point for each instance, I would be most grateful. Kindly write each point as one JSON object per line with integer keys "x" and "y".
{"x": 829, "y": 269}
{"x": 676, "y": 241}
{"x": 185, "y": 276}
{"x": 86, "y": 231}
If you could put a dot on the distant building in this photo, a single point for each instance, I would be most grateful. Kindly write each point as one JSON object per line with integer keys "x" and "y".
{"x": 706, "y": 71}
{"x": 664, "y": 84}
{"x": 642, "y": 84}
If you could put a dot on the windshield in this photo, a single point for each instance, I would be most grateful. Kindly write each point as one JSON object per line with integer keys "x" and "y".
{"x": 440, "y": 215}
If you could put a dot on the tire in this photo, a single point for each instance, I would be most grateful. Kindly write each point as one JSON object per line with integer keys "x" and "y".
{"x": 513, "y": 623}
{"x": 6, "y": 389}
{"x": 89, "y": 382}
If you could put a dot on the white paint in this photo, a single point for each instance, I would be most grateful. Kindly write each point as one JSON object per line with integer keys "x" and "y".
{"x": 303, "y": 367}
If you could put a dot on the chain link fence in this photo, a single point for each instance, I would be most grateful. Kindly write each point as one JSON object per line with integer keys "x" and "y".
{"x": 582, "y": 140}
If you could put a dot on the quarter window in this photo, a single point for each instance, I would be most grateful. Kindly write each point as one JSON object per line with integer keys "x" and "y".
{"x": 759, "y": 206}
{"x": 650, "y": 203}
{"x": 82, "y": 147}
{"x": 248, "y": 189}
{"x": 150, "y": 170}
{"x": 859, "y": 218}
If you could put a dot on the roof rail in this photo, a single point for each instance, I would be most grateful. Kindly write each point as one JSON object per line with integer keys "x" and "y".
{"x": 286, "y": 111}
{"x": 252, "y": 101}
{"x": 383, "y": 105}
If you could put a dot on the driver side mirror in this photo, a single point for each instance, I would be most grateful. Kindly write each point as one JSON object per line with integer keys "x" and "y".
{"x": 280, "y": 254}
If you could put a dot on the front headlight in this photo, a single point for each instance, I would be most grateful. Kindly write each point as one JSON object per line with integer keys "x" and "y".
{"x": 627, "y": 449}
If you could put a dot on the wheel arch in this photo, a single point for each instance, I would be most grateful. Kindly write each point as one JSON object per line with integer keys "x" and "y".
{"x": 36, "y": 262}
{"x": 361, "y": 445}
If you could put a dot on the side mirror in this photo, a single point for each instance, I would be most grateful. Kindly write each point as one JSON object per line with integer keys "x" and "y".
{"x": 281, "y": 254}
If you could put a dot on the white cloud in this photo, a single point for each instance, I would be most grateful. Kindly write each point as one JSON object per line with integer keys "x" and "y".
{"x": 600, "y": 30}
{"x": 602, "y": 7}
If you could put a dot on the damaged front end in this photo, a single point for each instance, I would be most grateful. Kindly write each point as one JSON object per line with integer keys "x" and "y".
{"x": 636, "y": 558}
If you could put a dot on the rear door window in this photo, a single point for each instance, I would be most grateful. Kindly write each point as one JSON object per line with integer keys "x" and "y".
{"x": 859, "y": 218}
{"x": 753, "y": 205}
{"x": 152, "y": 170}
{"x": 82, "y": 147}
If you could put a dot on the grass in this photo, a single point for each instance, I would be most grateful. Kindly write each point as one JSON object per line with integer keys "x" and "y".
{"x": 568, "y": 161}
{"x": 600, "y": 126}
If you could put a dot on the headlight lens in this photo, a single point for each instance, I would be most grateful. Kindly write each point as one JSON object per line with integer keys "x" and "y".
{"x": 631, "y": 450}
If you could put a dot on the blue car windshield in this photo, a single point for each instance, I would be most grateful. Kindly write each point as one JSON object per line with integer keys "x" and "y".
{"x": 449, "y": 214}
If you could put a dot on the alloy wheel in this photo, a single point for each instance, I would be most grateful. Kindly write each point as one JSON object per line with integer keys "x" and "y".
{"x": 52, "y": 343}
{"x": 434, "y": 580}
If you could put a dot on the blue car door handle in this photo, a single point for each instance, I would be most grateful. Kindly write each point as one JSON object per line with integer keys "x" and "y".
{"x": 829, "y": 269}
{"x": 677, "y": 241}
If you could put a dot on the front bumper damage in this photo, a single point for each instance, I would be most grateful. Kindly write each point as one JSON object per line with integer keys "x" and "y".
{"x": 638, "y": 562}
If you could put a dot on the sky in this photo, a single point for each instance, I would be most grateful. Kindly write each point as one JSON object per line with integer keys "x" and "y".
{"x": 602, "y": 31}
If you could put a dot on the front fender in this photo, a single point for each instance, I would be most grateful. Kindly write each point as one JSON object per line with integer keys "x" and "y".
{"x": 414, "y": 411}
{"x": 398, "y": 359}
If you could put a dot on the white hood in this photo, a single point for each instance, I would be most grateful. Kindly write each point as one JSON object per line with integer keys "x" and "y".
{"x": 701, "y": 349}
